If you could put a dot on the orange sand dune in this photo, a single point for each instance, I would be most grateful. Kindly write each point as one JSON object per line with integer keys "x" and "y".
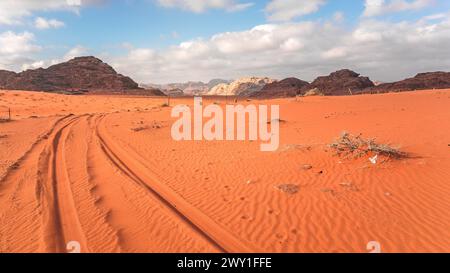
{"x": 105, "y": 172}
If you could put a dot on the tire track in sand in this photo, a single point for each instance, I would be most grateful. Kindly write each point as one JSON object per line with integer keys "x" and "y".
{"x": 61, "y": 223}
{"x": 142, "y": 223}
{"x": 23, "y": 225}
{"x": 186, "y": 212}
{"x": 48, "y": 215}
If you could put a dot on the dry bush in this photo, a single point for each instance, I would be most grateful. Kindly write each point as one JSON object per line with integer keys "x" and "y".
{"x": 155, "y": 125}
{"x": 288, "y": 188}
{"x": 350, "y": 145}
{"x": 142, "y": 128}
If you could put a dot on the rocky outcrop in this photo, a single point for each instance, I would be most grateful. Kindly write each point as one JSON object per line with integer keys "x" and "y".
{"x": 82, "y": 73}
{"x": 221, "y": 89}
{"x": 289, "y": 87}
{"x": 242, "y": 87}
{"x": 342, "y": 82}
{"x": 176, "y": 92}
{"x": 5, "y": 77}
{"x": 422, "y": 81}
{"x": 215, "y": 82}
{"x": 189, "y": 88}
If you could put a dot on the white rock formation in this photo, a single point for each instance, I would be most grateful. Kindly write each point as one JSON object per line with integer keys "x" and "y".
{"x": 241, "y": 87}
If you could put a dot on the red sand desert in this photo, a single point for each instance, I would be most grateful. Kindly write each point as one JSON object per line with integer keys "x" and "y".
{"x": 105, "y": 172}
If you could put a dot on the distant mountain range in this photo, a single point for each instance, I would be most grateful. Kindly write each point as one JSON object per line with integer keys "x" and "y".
{"x": 422, "y": 81}
{"x": 90, "y": 75}
{"x": 347, "y": 82}
{"x": 189, "y": 88}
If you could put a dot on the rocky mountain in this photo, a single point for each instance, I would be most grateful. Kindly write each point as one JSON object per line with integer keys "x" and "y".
{"x": 242, "y": 87}
{"x": 5, "y": 77}
{"x": 289, "y": 87}
{"x": 79, "y": 74}
{"x": 215, "y": 82}
{"x": 176, "y": 92}
{"x": 188, "y": 88}
{"x": 430, "y": 80}
{"x": 220, "y": 89}
{"x": 342, "y": 82}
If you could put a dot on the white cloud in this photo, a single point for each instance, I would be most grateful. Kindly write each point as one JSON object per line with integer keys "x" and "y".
{"x": 77, "y": 51}
{"x": 262, "y": 50}
{"x": 435, "y": 16}
{"x": 12, "y": 43}
{"x": 383, "y": 50}
{"x": 15, "y": 49}
{"x": 240, "y": 7}
{"x": 380, "y": 7}
{"x": 42, "y": 23}
{"x": 199, "y": 6}
{"x": 338, "y": 16}
{"x": 13, "y": 11}
{"x": 74, "y": 2}
{"x": 286, "y": 10}
{"x": 334, "y": 53}
{"x": 33, "y": 65}
{"x": 291, "y": 44}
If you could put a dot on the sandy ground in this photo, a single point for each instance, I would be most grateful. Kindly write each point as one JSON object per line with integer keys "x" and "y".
{"x": 104, "y": 171}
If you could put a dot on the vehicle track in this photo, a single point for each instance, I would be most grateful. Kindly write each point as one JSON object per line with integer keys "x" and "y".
{"x": 65, "y": 190}
{"x": 28, "y": 189}
{"x": 197, "y": 220}
{"x": 62, "y": 221}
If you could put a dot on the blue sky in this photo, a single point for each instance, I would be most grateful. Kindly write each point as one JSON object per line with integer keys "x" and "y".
{"x": 173, "y": 40}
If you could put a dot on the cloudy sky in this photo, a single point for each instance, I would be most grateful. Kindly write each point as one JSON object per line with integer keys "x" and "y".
{"x": 161, "y": 41}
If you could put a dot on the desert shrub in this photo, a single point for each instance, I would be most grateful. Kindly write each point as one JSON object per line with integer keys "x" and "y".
{"x": 155, "y": 125}
{"x": 141, "y": 128}
{"x": 357, "y": 146}
{"x": 288, "y": 188}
